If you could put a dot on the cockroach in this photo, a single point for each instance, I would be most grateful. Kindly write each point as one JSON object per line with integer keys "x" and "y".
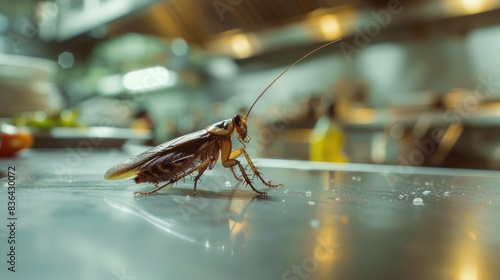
{"x": 198, "y": 151}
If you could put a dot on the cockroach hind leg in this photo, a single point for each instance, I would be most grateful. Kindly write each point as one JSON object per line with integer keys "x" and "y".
{"x": 141, "y": 193}
{"x": 157, "y": 188}
{"x": 147, "y": 193}
{"x": 194, "y": 190}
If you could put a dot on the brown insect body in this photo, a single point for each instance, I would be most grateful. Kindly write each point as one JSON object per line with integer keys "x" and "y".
{"x": 197, "y": 151}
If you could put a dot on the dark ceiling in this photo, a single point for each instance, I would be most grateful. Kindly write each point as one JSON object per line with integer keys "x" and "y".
{"x": 198, "y": 20}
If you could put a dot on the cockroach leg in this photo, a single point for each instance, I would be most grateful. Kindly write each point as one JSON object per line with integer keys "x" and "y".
{"x": 202, "y": 168}
{"x": 236, "y": 152}
{"x": 155, "y": 190}
{"x": 247, "y": 180}
{"x": 234, "y": 174}
{"x": 229, "y": 160}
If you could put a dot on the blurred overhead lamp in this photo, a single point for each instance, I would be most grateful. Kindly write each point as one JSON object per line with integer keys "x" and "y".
{"x": 469, "y": 6}
{"x": 149, "y": 79}
{"x": 473, "y": 6}
{"x": 330, "y": 27}
{"x": 241, "y": 45}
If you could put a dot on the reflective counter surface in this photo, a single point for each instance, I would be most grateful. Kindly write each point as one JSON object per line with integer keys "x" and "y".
{"x": 328, "y": 221}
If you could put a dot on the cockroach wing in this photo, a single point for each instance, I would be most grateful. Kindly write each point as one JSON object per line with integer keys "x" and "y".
{"x": 185, "y": 146}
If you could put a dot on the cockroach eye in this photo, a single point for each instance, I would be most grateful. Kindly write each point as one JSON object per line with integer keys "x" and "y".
{"x": 237, "y": 120}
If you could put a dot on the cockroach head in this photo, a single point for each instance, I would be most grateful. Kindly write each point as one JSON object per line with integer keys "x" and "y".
{"x": 240, "y": 124}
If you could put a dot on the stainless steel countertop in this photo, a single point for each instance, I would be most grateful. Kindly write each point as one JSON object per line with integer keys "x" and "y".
{"x": 329, "y": 221}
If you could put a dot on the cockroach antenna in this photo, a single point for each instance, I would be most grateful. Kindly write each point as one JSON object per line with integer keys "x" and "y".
{"x": 286, "y": 70}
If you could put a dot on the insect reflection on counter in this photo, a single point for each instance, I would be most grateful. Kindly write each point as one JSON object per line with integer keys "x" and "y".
{"x": 196, "y": 152}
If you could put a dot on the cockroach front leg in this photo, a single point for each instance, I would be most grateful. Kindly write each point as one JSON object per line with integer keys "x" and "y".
{"x": 236, "y": 152}
{"x": 233, "y": 162}
{"x": 228, "y": 157}
{"x": 234, "y": 174}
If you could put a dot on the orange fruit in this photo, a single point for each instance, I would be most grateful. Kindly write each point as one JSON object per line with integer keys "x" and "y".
{"x": 14, "y": 140}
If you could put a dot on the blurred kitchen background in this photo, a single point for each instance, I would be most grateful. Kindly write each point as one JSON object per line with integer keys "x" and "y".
{"x": 410, "y": 82}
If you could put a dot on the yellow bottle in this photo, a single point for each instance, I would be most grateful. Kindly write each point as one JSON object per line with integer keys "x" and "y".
{"x": 327, "y": 140}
